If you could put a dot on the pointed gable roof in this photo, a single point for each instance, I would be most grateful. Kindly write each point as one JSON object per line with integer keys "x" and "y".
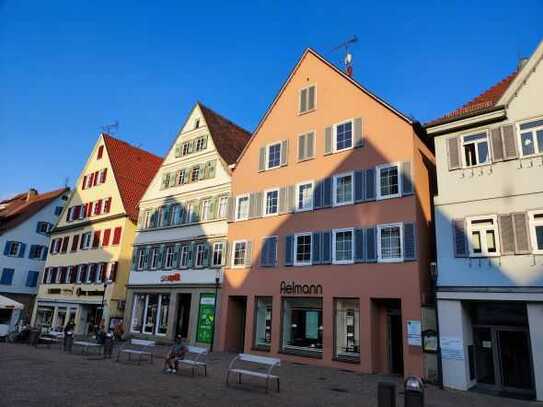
{"x": 17, "y": 209}
{"x": 228, "y": 137}
{"x": 133, "y": 169}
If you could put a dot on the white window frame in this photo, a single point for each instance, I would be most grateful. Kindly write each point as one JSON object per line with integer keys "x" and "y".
{"x": 215, "y": 246}
{"x": 268, "y": 146}
{"x": 334, "y": 189}
{"x": 334, "y": 135}
{"x": 300, "y": 184}
{"x": 78, "y": 274}
{"x": 533, "y": 223}
{"x": 300, "y": 99}
{"x": 484, "y": 249}
{"x": 140, "y": 259}
{"x": 204, "y": 210}
{"x": 18, "y": 246}
{"x": 199, "y": 140}
{"x": 222, "y": 208}
{"x": 238, "y": 198}
{"x": 380, "y": 258}
{"x": 303, "y": 263}
{"x": 154, "y": 259}
{"x": 168, "y": 255}
{"x": 533, "y": 131}
{"x": 265, "y": 202}
{"x": 86, "y": 242}
{"x": 462, "y": 152}
{"x": 234, "y": 265}
{"x": 184, "y": 252}
{"x": 200, "y": 251}
{"x": 334, "y": 232}
{"x": 189, "y": 212}
{"x": 380, "y": 196}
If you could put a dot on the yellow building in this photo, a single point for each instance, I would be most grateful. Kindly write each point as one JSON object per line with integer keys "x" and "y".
{"x": 87, "y": 269}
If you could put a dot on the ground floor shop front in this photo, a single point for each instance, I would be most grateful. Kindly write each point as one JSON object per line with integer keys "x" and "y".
{"x": 161, "y": 313}
{"x": 492, "y": 342}
{"x": 324, "y": 323}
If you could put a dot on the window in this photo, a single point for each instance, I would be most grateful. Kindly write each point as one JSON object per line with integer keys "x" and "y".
{"x": 263, "y": 322}
{"x": 185, "y": 256}
{"x": 389, "y": 181}
{"x": 482, "y": 235}
{"x": 35, "y": 252}
{"x": 239, "y": 253}
{"x": 117, "y": 235}
{"x": 302, "y": 325}
{"x": 58, "y": 210}
{"x": 150, "y": 314}
{"x": 343, "y": 136}
{"x": 531, "y": 137}
{"x": 155, "y": 252}
{"x": 343, "y": 246}
{"x": 190, "y": 213}
{"x": 105, "y": 237}
{"x": 389, "y": 242}
{"x": 168, "y": 261}
{"x": 199, "y": 255}
{"x": 141, "y": 258}
{"x": 307, "y": 99}
{"x": 86, "y": 240}
{"x": 200, "y": 144}
{"x": 100, "y": 152}
{"x": 107, "y": 205}
{"x": 302, "y": 249}
{"x": 177, "y": 214}
{"x": 347, "y": 329}
{"x": 98, "y": 207}
{"x": 273, "y": 159}
{"x": 304, "y": 196}
{"x": 271, "y": 199}
{"x": 95, "y": 240}
{"x": 206, "y": 206}
{"x": 7, "y": 277}
{"x": 537, "y": 231}
{"x": 223, "y": 206}
{"x": 43, "y": 228}
{"x": 196, "y": 123}
{"x": 475, "y": 149}
{"x": 195, "y": 173}
{"x": 242, "y": 207}
{"x": 13, "y": 249}
{"x": 343, "y": 189}
{"x": 32, "y": 279}
{"x": 218, "y": 254}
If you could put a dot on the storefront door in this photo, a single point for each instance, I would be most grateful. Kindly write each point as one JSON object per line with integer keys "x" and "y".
{"x": 183, "y": 315}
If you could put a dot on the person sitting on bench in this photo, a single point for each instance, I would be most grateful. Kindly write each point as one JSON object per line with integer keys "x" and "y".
{"x": 177, "y": 351}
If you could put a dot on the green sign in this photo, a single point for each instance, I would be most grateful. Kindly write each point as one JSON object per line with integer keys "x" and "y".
{"x": 206, "y": 315}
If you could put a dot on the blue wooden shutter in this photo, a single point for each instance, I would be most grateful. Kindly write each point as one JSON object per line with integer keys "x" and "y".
{"x": 407, "y": 183}
{"x": 409, "y": 242}
{"x": 359, "y": 186}
{"x": 370, "y": 185}
{"x": 289, "y": 250}
{"x": 327, "y": 193}
{"x": 359, "y": 251}
{"x": 316, "y": 250}
{"x": 6, "y": 247}
{"x": 460, "y": 240}
{"x": 326, "y": 251}
{"x": 22, "y": 250}
{"x": 371, "y": 244}
{"x": 44, "y": 253}
{"x": 317, "y": 195}
{"x": 264, "y": 255}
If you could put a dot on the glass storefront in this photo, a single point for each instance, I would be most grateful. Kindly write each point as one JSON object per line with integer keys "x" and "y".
{"x": 302, "y": 325}
{"x": 150, "y": 314}
{"x": 263, "y": 321}
{"x": 347, "y": 328}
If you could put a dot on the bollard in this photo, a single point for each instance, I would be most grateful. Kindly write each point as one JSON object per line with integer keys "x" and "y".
{"x": 68, "y": 341}
{"x": 108, "y": 345}
{"x": 386, "y": 394}
{"x": 413, "y": 392}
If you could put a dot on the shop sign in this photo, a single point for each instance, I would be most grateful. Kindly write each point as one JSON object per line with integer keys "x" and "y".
{"x": 291, "y": 287}
{"x": 170, "y": 278}
{"x": 452, "y": 348}
{"x": 206, "y": 316}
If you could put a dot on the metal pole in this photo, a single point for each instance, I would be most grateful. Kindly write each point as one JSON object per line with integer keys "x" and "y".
{"x": 214, "y": 314}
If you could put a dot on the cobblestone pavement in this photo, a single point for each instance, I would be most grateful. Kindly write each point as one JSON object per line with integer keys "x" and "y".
{"x": 47, "y": 377}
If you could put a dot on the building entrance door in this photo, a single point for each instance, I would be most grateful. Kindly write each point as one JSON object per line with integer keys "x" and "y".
{"x": 395, "y": 341}
{"x": 183, "y": 315}
{"x": 235, "y": 331}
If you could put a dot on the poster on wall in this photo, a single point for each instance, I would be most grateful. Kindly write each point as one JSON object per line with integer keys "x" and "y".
{"x": 414, "y": 335}
{"x": 206, "y": 314}
{"x": 452, "y": 348}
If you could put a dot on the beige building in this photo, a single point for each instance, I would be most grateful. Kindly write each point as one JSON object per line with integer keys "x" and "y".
{"x": 87, "y": 269}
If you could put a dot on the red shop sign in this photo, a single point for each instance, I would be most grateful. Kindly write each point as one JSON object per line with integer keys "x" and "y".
{"x": 168, "y": 278}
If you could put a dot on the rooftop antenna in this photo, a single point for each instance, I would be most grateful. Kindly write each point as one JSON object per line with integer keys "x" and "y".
{"x": 111, "y": 128}
{"x": 348, "y": 59}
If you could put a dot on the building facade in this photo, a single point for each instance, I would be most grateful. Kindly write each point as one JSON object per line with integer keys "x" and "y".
{"x": 87, "y": 269}
{"x": 180, "y": 246}
{"x": 25, "y": 223}
{"x": 489, "y": 226}
{"x": 330, "y": 230}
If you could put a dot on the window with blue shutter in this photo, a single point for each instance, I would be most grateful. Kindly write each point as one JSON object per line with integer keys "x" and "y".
{"x": 317, "y": 195}
{"x": 316, "y": 252}
{"x": 289, "y": 250}
{"x": 7, "y": 276}
{"x": 32, "y": 279}
{"x": 370, "y": 235}
{"x": 409, "y": 242}
{"x": 326, "y": 248}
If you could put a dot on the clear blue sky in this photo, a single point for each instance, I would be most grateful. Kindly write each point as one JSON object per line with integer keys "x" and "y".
{"x": 69, "y": 67}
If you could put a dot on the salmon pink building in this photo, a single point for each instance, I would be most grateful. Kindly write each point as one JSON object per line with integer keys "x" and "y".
{"x": 330, "y": 231}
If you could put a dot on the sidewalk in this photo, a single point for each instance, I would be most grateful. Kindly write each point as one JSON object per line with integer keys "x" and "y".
{"x": 47, "y": 377}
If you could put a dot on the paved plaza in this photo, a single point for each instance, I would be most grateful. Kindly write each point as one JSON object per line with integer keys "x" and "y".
{"x": 48, "y": 377}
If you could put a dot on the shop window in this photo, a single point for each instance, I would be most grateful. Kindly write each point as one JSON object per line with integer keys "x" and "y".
{"x": 347, "y": 329}
{"x": 150, "y": 314}
{"x": 263, "y": 322}
{"x": 163, "y": 314}
{"x": 137, "y": 313}
{"x": 302, "y": 325}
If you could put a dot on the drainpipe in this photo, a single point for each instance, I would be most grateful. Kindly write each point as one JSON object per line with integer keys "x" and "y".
{"x": 434, "y": 273}
{"x": 217, "y": 279}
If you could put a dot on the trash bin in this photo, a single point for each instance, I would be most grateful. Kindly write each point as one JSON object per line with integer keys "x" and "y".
{"x": 68, "y": 341}
{"x": 108, "y": 345}
{"x": 413, "y": 392}
{"x": 386, "y": 394}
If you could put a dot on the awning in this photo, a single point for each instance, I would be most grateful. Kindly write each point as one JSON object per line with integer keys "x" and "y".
{"x": 8, "y": 303}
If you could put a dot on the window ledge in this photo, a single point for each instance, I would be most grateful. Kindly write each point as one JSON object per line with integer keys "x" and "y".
{"x": 307, "y": 112}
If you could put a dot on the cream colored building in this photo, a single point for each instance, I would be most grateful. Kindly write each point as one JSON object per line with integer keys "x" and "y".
{"x": 180, "y": 246}
{"x": 87, "y": 269}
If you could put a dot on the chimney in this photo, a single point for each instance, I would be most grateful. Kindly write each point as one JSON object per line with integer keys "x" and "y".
{"x": 31, "y": 194}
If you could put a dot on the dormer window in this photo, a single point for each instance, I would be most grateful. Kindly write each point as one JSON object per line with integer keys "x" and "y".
{"x": 197, "y": 123}
{"x": 100, "y": 152}
{"x": 307, "y": 99}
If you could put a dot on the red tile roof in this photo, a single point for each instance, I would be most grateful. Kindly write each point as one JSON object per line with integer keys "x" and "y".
{"x": 17, "y": 209}
{"x": 484, "y": 102}
{"x": 228, "y": 137}
{"x": 133, "y": 168}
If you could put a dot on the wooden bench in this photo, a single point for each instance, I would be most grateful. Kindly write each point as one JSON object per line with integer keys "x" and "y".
{"x": 197, "y": 360}
{"x": 85, "y": 346}
{"x": 138, "y": 347}
{"x": 260, "y": 361}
